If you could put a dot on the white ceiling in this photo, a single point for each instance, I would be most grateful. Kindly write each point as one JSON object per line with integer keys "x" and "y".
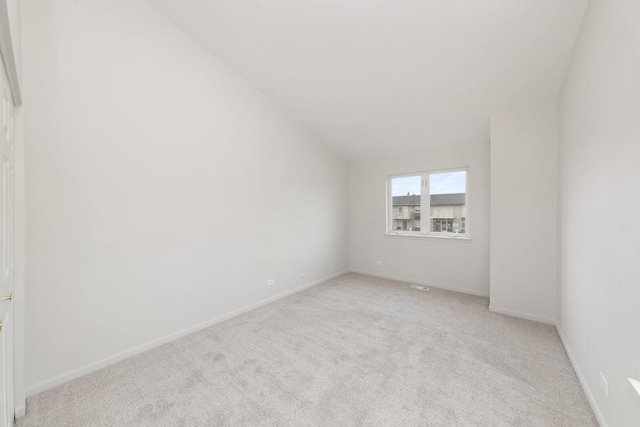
{"x": 376, "y": 77}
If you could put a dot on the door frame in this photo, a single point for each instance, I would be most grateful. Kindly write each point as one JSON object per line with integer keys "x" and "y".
{"x": 11, "y": 52}
{"x": 10, "y": 46}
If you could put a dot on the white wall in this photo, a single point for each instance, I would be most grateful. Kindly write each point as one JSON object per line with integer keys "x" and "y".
{"x": 448, "y": 263}
{"x": 599, "y": 145}
{"x": 162, "y": 190}
{"x": 524, "y": 213}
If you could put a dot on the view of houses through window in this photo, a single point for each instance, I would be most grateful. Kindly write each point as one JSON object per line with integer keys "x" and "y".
{"x": 429, "y": 203}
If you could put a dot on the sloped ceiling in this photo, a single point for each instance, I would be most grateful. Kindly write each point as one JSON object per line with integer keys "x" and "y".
{"x": 377, "y": 77}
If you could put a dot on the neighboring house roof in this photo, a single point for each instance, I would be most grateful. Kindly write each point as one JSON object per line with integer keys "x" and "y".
{"x": 436, "y": 200}
{"x": 406, "y": 200}
{"x": 448, "y": 199}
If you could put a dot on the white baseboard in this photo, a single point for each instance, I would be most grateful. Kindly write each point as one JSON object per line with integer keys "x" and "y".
{"x": 76, "y": 373}
{"x": 20, "y": 411}
{"x": 421, "y": 282}
{"x": 583, "y": 381}
{"x": 522, "y": 315}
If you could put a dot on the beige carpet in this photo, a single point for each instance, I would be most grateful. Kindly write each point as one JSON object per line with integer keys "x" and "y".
{"x": 356, "y": 350}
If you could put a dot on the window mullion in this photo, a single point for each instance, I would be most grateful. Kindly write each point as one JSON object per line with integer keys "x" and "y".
{"x": 425, "y": 205}
{"x": 389, "y": 206}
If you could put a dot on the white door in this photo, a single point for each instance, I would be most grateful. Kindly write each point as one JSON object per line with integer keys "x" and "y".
{"x": 6, "y": 254}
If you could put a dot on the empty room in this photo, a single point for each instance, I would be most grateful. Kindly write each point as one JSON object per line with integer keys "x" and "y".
{"x": 320, "y": 213}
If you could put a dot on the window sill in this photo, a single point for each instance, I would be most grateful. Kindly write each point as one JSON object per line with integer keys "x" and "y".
{"x": 431, "y": 236}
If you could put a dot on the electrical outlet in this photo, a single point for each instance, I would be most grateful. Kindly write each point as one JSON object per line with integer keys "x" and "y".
{"x": 604, "y": 385}
{"x": 270, "y": 282}
{"x": 379, "y": 262}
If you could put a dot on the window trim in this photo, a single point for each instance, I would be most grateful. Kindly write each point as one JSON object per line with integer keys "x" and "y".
{"x": 425, "y": 207}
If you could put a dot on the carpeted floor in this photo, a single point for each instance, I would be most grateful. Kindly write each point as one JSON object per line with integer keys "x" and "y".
{"x": 356, "y": 350}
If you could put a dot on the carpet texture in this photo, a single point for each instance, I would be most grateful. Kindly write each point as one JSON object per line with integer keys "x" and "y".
{"x": 356, "y": 350}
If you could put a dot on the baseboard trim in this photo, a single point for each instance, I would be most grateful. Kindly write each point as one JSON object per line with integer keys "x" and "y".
{"x": 421, "y": 282}
{"x": 76, "y": 373}
{"x": 583, "y": 381}
{"x": 20, "y": 411}
{"x": 522, "y": 315}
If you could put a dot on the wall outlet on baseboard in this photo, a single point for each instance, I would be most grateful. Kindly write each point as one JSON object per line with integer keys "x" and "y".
{"x": 270, "y": 282}
{"x": 379, "y": 262}
{"x": 604, "y": 384}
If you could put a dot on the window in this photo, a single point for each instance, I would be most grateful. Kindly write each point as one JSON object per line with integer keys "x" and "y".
{"x": 428, "y": 203}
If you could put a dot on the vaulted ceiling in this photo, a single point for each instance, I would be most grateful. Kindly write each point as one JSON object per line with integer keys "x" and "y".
{"x": 376, "y": 77}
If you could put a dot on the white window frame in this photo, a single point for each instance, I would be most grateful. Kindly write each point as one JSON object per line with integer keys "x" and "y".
{"x": 425, "y": 207}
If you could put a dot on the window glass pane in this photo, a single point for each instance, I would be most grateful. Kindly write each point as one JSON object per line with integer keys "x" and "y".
{"x": 405, "y": 210}
{"x": 448, "y": 192}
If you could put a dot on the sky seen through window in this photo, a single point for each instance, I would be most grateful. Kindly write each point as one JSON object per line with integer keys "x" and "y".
{"x": 441, "y": 183}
